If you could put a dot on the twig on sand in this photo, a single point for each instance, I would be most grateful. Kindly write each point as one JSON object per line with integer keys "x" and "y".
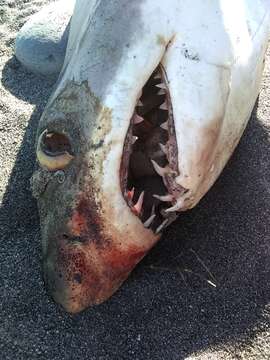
{"x": 183, "y": 269}
{"x": 203, "y": 265}
{"x": 182, "y": 275}
{"x": 154, "y": 267}
{"x": 200, "y": 276}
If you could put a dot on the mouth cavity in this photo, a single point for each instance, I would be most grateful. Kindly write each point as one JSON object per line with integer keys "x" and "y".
{"x": 150, "y": 157}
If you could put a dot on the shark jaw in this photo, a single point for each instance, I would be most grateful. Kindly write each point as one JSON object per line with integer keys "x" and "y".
{"x": 139, "y": 127}
{"x": 150, "y": 157}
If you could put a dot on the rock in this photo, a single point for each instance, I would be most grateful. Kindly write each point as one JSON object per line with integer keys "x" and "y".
{"x": 41, "y": 43}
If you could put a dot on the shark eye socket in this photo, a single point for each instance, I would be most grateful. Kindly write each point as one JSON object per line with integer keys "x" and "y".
{"x": 54, "y": 144}
{"x": 54, "y": 151}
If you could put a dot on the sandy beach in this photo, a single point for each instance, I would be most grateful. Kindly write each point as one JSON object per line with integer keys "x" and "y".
{"x": 203, "y": 293}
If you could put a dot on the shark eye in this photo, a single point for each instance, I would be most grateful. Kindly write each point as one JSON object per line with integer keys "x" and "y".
{"x": 54, "y": 151}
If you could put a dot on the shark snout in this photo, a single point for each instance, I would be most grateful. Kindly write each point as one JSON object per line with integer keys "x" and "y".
{"x": 68, "y": 275}
{"x": 83, "y": 265}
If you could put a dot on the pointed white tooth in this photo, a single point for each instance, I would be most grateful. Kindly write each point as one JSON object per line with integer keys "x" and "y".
{"x": 134, "y": 139}
{"x": 176, "y": 207}
{"x": 163, "y": 148}
{"x": 160, "y": 170}
{"x": 166, "y": 198}
{"x": 164, "y": 106}
{"x": 157, "y": 76}
{"x": 149, "y": 221}
{"x": 153, "y": 210}
{"x": 137, "y": 119}
{"x": 165, "y": 126}
{"x": 139, "y": 103}
{"x": 172, "y": 217}
{"x": 161, "y": 86}
{"x": 162, "y": 92}
{"x": 161, "y": 226}
{"x": 138, "y": 206}
{"x": 130, "y": 193}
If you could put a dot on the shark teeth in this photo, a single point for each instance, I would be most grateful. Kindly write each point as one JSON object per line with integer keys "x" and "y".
{"x": 165, "y": 198}
{"x": 130, "y": 194}
{"x": 137, "y": 119}
{"x": 161, "y": 86}
{"x": 161, "y": 226}
{"x": 149, "y": 221}
{"x": 163, "y": 148}
{"x": 151, "y": 114}
{"x": 162, "y": 92}
{"x": 160, "y": 170}
{"x": 164, "y": 106}
{"x": 137, "y": 208}
{"x": 176, "y": 207}
{"x": 165, "y": 126}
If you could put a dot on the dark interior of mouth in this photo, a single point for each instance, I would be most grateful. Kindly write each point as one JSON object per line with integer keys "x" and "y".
{"x": 149, "y": 161}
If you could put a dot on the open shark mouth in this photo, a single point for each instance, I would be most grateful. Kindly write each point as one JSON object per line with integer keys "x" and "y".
{"x": 150, "y": 157}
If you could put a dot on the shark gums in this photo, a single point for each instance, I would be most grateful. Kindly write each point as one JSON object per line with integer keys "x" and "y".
{"x": 152, "y": 99}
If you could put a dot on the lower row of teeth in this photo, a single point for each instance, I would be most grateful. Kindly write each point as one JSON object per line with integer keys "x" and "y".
{"x": 137, "y": 209}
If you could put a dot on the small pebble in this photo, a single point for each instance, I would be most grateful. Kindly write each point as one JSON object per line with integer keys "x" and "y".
{"x": 42, "y": 41}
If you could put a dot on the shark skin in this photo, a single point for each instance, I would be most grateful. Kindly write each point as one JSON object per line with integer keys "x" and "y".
{"x": 209, "y": 56}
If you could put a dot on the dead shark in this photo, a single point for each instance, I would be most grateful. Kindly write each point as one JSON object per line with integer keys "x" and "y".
{"x": 152, "y": 100}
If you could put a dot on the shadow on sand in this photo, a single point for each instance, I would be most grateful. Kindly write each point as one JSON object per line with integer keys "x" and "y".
{"x": 205, "y": 284}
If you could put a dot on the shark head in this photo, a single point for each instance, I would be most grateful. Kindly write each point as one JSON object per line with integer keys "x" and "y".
{"x": 144, "y": 116}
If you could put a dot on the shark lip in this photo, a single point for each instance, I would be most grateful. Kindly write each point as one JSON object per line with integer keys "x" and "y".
{"x": 150, "y": 157}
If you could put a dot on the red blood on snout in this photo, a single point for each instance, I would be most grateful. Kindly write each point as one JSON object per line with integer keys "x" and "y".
{"x": 78, "y": 223}
{"x": 81, "y": 276}
{"x": 85, "y": 222}
{"x": 97, "y": 266}
{"x": 119, "y": 263}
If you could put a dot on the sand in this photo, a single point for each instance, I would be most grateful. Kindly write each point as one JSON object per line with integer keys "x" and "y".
{"x": 171, "y": 307}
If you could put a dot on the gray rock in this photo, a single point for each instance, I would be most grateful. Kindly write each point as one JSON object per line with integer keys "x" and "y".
{"x": 42, "y": 41}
